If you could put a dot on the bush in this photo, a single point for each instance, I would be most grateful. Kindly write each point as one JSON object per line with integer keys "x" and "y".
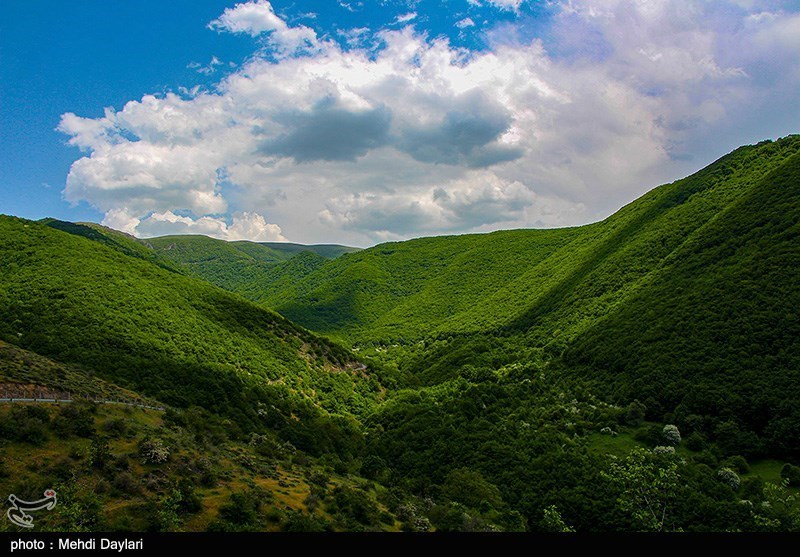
{"x": 298, "y": 521}
{"x": 791, "y": 474}
{"x": 241, "y": 510}
{"x": 695, "y": 442}
{"x": 664, "y": 449}
{"x": 729, "y": 478}
{"x": 99, "y": 453}
{"x": 634, "y": 414}
{"x": 649, "y": 435}
{"x": 125, "y": 483}
{"x": 116, "y": 428}
{"x": 154, "y": 451}
{"x": 738, "y": 463}
{"x": 469, "y": 488}
{"x": 190, "y": 502}
{"x": 356, "y": 505}
{"x": 28, "y": 424}
{"x": 671, "y": 435}
{"x": 74, "y": 419}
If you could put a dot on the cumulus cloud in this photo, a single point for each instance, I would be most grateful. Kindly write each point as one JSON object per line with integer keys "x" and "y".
{"x": 244, "y": 226}
{"x": 475, "y": 202}
{"x": 418, "y": 137}
{"x": 259, "y": 18}
{"x": 467, "y": 133}
{"x": 329, "y": 133}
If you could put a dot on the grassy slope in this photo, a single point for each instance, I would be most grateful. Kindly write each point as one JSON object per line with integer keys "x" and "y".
{"x": 22, "y": 370}
{"x": 162, "y": 333}
{"x": 718, "y": 328}
{"x": 683, "y": 299}
{"x": 553, "y": 283}
{"x": 220, "y": 482}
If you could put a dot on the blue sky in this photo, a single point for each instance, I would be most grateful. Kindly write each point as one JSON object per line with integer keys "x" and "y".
{"x": 368, "y": 121}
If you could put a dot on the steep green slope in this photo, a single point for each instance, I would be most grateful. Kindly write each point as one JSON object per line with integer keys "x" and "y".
{"x": 166, "y": 335}
{"x": 29, "y": 375}
{"x": 718, "y": 331}
{"x": 112, "y": 238}
{"x": 551, "y": 284}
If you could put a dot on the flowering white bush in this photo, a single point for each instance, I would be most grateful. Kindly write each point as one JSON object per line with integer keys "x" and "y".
{"x": 729, "y": 478}
{"x": 671, "y": 434}
{"x": 662, "y": 449}
{"x": 154, "y": 451}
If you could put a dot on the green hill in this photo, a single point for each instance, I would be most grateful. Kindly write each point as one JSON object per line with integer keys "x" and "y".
{"x": 253, "y": 269}
{"x": 557, "y": 282}
{"x": 717, "y": 332}
{"x": 328, "y": 251}
{"x": 172, "y": 337}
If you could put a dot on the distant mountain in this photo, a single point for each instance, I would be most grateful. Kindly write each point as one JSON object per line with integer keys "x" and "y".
{"x": 248, "y": 268}
{"x": 328, "y": 251}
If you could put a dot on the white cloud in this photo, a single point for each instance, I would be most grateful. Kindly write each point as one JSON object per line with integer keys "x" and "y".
{"x": 508, "y": 5}
{"x": 244, "y": 226}
{"x": 478, "y": 201}
{"x": 405, "y": 18}
{"x": 421, "y": 137}
{"x": 258, "y": 18}
{"x": 465, "y": 23}
{"x": 209, "y": 68}
{"x": 356, "y": 36}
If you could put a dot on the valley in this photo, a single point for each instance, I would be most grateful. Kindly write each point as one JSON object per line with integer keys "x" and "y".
{"x": 519, "y": 380}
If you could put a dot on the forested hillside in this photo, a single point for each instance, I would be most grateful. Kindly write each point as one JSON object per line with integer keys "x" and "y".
{"x": 717, "y": 333}
{"x": 161, "y": 333}
{"x": 557, "y": 282}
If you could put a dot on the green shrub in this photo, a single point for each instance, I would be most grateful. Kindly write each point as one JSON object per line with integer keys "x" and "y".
{"x": 791, "y": 474}
{"x": 649, "y": 435}
{"x": 738, "y": 463}
{"x": 695, "y": 442}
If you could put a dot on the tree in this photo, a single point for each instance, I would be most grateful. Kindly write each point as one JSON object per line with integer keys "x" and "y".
{"x": 648, "y": 484}
{"x": 469, "y": 488}
{"x": 634, "y": 414}
{"x": 779, "y": 510}
{"x": 553, "y": 522}
{"x": 154, "y": 451}
{"x": 99, "y": 453}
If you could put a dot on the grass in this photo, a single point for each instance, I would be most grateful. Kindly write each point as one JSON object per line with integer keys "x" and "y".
{"x": 63, "y": 462}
